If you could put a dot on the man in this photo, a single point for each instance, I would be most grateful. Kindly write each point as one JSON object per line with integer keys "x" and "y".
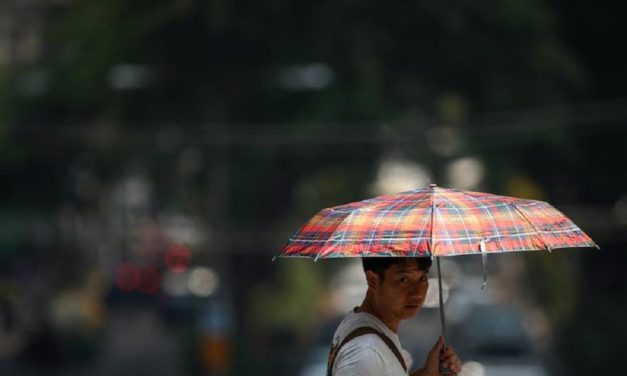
{"x": 366, "y": 341}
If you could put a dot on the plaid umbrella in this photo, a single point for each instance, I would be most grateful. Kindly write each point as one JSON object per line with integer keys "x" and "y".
{"x": 434, "y": 222}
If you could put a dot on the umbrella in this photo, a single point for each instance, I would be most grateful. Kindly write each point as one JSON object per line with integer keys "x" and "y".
{"x": 435, "y": 222}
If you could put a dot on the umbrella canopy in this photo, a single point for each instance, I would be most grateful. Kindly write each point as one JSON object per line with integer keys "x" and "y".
{"x": 432, "y": 222}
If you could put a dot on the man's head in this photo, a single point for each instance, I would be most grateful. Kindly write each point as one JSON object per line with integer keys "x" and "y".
{"x": 397, "y": 287}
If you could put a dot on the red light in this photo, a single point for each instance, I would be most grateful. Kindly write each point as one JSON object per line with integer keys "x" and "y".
{"x": 127, "y": 277}
{"x": 177, "y": 258}
{"x": 150, "y": 280}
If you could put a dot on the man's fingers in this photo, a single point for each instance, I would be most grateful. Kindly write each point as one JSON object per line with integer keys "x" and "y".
{"x": 438, "y": 347}
{"x": 453, "y": 365}
{"x": 440, "y": 343}
{"x": 447, "y": 351}
{"x": 450, "y": 359}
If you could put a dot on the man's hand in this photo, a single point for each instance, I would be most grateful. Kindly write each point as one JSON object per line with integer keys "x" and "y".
{"x": 440, "y": 353}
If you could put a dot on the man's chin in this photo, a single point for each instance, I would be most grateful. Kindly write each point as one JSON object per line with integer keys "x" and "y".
{"x": 411, "y": 310}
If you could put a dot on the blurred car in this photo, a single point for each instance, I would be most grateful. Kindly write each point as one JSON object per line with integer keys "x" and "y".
{"x": 493, "y": 341}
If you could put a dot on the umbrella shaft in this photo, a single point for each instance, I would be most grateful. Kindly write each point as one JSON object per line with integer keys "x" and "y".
{"x": 442, "y": 320}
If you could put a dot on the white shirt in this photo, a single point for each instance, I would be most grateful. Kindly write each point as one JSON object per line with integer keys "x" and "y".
{"x": 367, "y": 355}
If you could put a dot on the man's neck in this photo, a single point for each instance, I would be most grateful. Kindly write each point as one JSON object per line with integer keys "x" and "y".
{"x": 370, "y": 306}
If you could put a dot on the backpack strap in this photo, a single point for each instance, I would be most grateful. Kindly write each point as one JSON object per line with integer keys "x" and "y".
{"x": 360, "y": 332}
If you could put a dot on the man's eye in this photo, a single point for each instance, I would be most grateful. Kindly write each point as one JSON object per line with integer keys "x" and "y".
{"x": 404, "y": 279}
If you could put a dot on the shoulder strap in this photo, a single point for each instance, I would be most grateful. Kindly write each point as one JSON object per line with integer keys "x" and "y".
{"x": 360, "y": 332}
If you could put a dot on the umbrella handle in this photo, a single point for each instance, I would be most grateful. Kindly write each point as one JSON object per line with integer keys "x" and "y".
{"x": 443, "y": 369}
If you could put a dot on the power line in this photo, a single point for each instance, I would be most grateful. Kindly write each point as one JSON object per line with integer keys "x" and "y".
{"x": 605, "y": 116}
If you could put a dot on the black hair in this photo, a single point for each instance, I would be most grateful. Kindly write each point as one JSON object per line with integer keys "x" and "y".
{"x": 380, "y": 264}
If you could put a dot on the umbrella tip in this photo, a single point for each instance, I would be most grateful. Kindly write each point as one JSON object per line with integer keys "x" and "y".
{"x": 432, "y": 185}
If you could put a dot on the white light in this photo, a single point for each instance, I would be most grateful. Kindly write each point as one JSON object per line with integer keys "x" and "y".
{"x": 129, "y": 76}
{"x": 133, "y": 193}
{"x": 472, "y": 369}
{"x": 399, "y": 175}
{"x": 433, "y": 294}
{"x": 137, "y": 191}
{"x": 314, "y": 76}
{"x": 175, "y": 284}
{"x": 183, "y": 229}
{"x": 465, "y": 173}
{"x": 203, "y": 282}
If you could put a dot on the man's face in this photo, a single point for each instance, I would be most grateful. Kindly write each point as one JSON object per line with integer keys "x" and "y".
{"x": 402, "y": 291}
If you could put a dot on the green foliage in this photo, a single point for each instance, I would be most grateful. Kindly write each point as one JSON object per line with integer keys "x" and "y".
{"x": 220, "y": 60}
{"x": 556, "y": 284}
{"x": 293, "y": 303}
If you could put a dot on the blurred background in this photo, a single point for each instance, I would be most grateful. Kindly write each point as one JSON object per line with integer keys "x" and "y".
{"x": 155, "y": 155}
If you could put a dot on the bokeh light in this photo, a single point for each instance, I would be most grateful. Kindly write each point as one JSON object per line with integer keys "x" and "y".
{"x": 465, "y": 173}
{"x": 472, "y": 368}
{"x": 314, "y": 76}
{"x": 398, "y": 175}
{"x": 177, "y": 257}
{"x": 203, "y": 281}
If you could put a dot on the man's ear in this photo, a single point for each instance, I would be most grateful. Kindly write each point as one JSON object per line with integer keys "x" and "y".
{"x": 373, "y": 279}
